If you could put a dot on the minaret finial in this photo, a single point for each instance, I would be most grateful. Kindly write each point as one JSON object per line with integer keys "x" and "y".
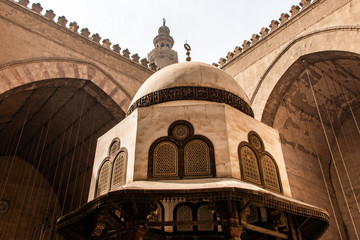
{"x": 188, "y": 48}
{"x": 164, "y": 21}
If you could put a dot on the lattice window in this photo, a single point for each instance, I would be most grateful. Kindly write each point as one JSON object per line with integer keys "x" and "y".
{"x": 249, "y": 165}
{"x": 184, "y": 213}
{"x": 269, "y": 172}
{"x": 181, "y": 154}
{"x": 119, "y": 170}
{"x": 196, "y": 158}
{"x": 204, "y": 214}
{"x": 114, "y": 148}
{"x": 103, "y": 179}
{"x": 165, "y": 161}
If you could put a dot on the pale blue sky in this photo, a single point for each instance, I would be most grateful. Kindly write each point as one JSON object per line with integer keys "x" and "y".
{"x": 211, "y": 27}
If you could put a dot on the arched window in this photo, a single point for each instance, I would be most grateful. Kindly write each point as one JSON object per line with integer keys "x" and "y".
{"x": 249, "y": 165}
{"x": 113, "y": 169}
{"x": 181, "y": 154}
{"x": 184, "y": 213}
{"x": 103, "y": 178}
{"x": 165, "y": 159}
{"x": 118, "y": 177}
{"x": 269, "y": 171}
{"x": 196, "y": 158}
{"x": 114, "y": 147}
{"x": 257, "y": 166}
{"x": 204, "y": 214}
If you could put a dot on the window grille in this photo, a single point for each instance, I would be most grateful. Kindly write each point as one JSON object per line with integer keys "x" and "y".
{"x": 165, "y": 161}
{"x": 257, "y": 165}
{"x": 184, "y": 213}
{"x": 181, "y": 154}
{"x": 249, "y": 165}
{"x": 269, "y": 171}
{"x": 197, "y": 158}
{"x": 119, "y": 170}
{"x": 114, "y": 148}
{"x": 104, "y": 179}
{"x": 204, "y": 214}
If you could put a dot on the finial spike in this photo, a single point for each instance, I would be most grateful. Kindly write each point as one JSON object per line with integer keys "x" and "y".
{"x": 164, "y": 21}
{"x": 188, "y": 48}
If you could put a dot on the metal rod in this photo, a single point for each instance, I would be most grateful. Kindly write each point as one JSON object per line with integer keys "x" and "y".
{"x": 263, "y": 230}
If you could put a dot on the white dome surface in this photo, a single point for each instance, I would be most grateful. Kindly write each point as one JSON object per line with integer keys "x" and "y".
{"x": 190, "y": 74}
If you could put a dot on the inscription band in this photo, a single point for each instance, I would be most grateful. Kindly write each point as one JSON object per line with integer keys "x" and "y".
{"x": 192, "y": 93}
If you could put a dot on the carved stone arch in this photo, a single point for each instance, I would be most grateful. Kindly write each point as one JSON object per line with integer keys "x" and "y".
{"x": 19, "y": 73}
{"x": 313, "y": 42}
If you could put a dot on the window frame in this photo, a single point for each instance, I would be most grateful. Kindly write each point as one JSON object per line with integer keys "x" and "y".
{"x": 194, "y": 209}
{"x": 181, "y": 143}
{"x": 111, "y": 159}
{"x": 120, "y": 150}
{"x": 107, "y": 159}
{"x": 259, "y": 153}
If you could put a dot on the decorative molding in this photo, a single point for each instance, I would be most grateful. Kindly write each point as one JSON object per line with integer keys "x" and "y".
{"x": 192, "y": 93}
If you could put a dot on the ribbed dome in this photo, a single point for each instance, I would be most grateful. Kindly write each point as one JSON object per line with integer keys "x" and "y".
{"x": 194, "y": 74}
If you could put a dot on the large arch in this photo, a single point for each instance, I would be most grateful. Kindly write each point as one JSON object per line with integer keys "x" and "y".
{"x": 315, "y": 106}
{"x": 51, "y": 115}
{"x": 340, "y": 38}
{"x": 24, "y": 72}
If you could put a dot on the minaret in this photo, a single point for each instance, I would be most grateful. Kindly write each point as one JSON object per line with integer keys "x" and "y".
{"x": 163, "y": 54}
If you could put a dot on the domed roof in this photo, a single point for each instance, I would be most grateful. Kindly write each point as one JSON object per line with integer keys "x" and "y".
{"x": 195, "y": 74}
{"x": 164, "y": 30}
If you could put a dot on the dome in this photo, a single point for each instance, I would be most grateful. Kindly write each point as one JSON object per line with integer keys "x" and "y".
{"x": 164, "y": 30}
{"x": 209, "y": 82}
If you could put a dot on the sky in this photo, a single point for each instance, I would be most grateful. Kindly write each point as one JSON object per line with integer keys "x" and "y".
{"x": 211, "y": 27}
